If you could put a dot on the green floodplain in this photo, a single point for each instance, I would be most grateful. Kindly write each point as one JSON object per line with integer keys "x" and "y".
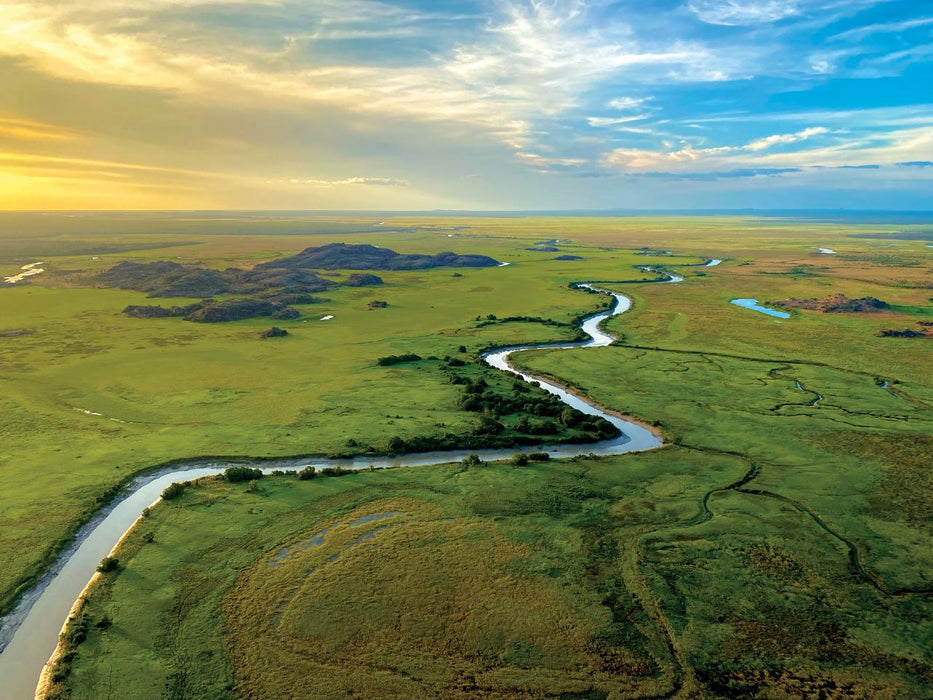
{"x": 780, "y": 544}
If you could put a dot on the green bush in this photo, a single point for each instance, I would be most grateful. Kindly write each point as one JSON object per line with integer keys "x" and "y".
{"x": 520, "y": 459}
{"x": 307, "y": 473}
{"x": 108, "y": 564}
{"x": 336, "y": 471}
{"x": 396, "y": 359}
{"x": 173, "y": 490}
{"x": 235, "y": 474}
{"x": 539, "y": 456}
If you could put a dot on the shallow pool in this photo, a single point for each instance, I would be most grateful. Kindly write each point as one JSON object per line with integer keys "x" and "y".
{"x": 754, "y": 306}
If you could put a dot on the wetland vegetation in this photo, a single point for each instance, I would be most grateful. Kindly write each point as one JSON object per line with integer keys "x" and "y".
{"x": 779, "y": 545}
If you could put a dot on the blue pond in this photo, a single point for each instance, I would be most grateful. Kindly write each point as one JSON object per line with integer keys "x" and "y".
{"x": 753, "y": 304}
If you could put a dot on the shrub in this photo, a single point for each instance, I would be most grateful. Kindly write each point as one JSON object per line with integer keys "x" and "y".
{"x": 539, "y": 456}
{"x": 396, "y": 359}
{"x": 173, "y": 490}
{"x": 234, "y": 474}
{"x": 472, "y": 461}
{"x": 520, "y": 459}
{"x": 336, "y": 471}
{"x": 108, "y": 564}
{"x": 274, "y": 332}
{"x": 307, "y": 473}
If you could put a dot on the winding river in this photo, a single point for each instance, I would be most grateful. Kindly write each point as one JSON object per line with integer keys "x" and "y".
{"x": 29, "y": 634}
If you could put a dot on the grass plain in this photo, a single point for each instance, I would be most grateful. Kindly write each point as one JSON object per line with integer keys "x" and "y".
{"x": 721, "y": 564}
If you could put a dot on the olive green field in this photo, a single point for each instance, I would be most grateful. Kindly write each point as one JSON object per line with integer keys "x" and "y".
{"x": 780, "y": 544}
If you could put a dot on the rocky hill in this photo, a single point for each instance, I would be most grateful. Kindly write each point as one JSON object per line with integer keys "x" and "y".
{"x": 291, "y": 275}
{"x": 170, "y": 279}
{"x": 345, "y": 256}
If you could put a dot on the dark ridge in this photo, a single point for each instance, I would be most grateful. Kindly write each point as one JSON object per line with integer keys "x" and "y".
{"x": 170, "y": 279}
{"x": 160, "y": 311}
{"x": 165, "y": 279}
{"x": 569, "y": 257}
{"x": 288, "y": 298}
{"x": 262, "y": 278}
{"x": 233, "y": 310}
{"x": 343, "y": 256}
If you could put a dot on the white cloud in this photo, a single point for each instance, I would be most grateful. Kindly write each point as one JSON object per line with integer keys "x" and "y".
{"x": 614, "y": 121}
{"x": 540, "y": 161}
{"x": 626, "y": 103}
{"x": 532, "y": 61}
{"x": 804, "y": 14}
{"x": 778, "y": 139}
{"x": 883, "y": 149}
{"x": 743, "y": 12}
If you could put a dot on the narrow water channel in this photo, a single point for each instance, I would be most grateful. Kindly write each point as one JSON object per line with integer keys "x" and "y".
{"x": 29, "y": 634}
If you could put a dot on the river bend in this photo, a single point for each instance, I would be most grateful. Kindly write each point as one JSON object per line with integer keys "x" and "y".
{"x": 29, "y": 634}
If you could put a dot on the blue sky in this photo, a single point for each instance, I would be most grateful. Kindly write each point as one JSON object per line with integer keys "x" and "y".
{"x": 484, "y": 104}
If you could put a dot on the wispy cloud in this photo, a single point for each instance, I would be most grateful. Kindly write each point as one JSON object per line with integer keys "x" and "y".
{"x": 779, "y": 139}
{"x": 614, "y": 121}
{"x": 743, "y": 12}
{"x": 624, "y": 103}
{"x": 859, "y": 33}
{"x": 376, "y": 181}
{"x": 530, "y": 61}
{"x": 545, "y": 162}
{"x": 504, "y": 89}
{"x": 29, "y": 130}
{"x": 879, "y": 149}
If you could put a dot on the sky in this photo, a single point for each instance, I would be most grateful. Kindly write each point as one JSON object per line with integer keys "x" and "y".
{"x": 466, "y": 104}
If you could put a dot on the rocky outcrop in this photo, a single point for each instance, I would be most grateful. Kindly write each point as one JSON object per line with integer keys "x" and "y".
{"x": 135, "y": 311}
{"x": 362, "y": 279}
{"x": 170, "y": 279}
{"x": 835, "y": 303}
{"x": 345, "y": 256}
{"x": 233, "y": 310}
{"x": 286, "y": 314}
{"x": 165, "y": 279}
{"x": 274, "y": 332}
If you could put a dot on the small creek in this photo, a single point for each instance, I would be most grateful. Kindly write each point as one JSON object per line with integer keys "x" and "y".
{"x": 29, "y": 634}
